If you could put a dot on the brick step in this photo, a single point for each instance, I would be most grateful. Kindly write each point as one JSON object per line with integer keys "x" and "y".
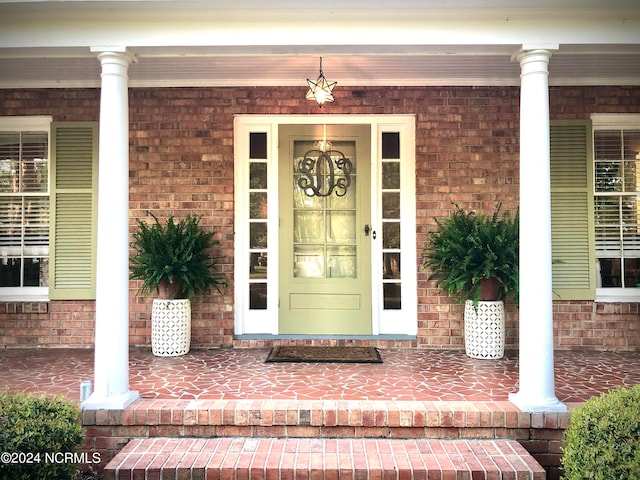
{"x": 240, "y": 458}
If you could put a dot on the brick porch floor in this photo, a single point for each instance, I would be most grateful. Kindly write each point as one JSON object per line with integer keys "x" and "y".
{"x": 415, "y": 395}
{"x": 406, "y": 374}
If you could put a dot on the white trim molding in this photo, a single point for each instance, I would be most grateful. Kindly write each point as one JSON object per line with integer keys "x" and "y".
{"x": 265, "y": 321}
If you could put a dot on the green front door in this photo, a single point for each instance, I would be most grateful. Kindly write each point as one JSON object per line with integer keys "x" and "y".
{"x": 325, "y": 235}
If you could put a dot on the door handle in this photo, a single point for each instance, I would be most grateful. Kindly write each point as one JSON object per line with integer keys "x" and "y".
{"x": 367, "y": 230}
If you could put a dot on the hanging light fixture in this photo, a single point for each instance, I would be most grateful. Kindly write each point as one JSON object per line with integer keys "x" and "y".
{"x": 321, "y": 89}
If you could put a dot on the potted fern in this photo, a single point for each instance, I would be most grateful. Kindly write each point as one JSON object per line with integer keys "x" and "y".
{"x": 172, "y": 259}
{"x": 475, "y": 259}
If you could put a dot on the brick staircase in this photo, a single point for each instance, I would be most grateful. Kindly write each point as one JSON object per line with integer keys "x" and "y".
{"x": 323, "y": 458}
{"x": 323, "y": 440}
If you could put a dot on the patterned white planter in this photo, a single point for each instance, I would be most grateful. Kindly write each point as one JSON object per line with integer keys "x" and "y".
{"x": 170, "y": 327}
{"x": 484, "y": 329}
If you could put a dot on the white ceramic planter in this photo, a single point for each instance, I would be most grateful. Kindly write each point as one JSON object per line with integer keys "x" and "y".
{"x": 170, "y": 327}
{"x": 484, "y": 329}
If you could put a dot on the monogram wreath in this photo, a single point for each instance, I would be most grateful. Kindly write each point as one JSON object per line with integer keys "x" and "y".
{"x": 312, "y": 182}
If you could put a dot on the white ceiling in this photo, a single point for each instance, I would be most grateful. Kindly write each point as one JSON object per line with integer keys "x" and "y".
{"x": 374, "y": 42}
{"x": 348, "y": 70}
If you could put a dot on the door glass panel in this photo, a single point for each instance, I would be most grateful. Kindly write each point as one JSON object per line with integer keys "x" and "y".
{"x": 258, "y": 265}
{"x": 346, "y": 201}
{"x": 257, "y": 175}
{"x": 324, "y": 210}
{"x": 308, "y": 261}
{"x": 341, "y": 262}
{"x": 391, "y": 235}
{"x": 391, "y": 175}
{"x": 257, "y": 235}
{"x": 391, "y": 145}
{"x": 308, "y": 226}
{"x": 341, "y": 227}
{"x": 391, "y": 262}
{"x": 302, "y": 201}
{"x": 258, "y": 296}
{"x": 258, "y": 205}
{"x": 258, "y": 145}
{"x": 390, "y": 204}
{"x": 392, "y": 298}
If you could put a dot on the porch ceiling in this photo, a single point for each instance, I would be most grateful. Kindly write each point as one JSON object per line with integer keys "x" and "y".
{"x": 404, "y": 66}
{"x": 47, "y": 44}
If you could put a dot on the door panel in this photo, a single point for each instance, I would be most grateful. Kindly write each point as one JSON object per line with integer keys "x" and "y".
{"x": 325, "y": 252}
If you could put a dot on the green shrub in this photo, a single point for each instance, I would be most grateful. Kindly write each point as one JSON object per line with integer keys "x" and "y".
{"x": 603, "y": 438}
{"x": 32, "y": 429}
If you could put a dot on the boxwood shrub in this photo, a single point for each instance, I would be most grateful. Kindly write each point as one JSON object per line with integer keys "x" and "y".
{"x": 602, "y": 440}
{"x": 33, "y": 428}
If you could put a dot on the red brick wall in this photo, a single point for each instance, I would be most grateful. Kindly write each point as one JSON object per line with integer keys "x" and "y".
{"x": 597, "y": 326}
{"x": 48, "y": 324}
{"x": 182, "y": 161}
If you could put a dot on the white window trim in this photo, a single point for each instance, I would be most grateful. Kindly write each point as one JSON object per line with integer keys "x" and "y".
{"x": 618, "y": 295}
{"x": 37, "y": 123}
{"x": 402, "y": 322}
{"x": 605, "y": 121}
{"x": 40, "y": 123}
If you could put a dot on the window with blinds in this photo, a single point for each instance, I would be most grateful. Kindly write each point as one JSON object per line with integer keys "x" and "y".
{"x": 24, "y": 208}
{"x": 617, "y": 206}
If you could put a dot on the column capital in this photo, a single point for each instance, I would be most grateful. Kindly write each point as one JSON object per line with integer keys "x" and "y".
{"x": 108, "y": 48}
{"x": 530, "y": 52}
{"x": 534, "y": 62}
{"x": 119, "y": 55}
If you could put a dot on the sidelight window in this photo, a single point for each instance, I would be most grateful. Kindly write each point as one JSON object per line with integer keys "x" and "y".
{"x": 391, "y": 241}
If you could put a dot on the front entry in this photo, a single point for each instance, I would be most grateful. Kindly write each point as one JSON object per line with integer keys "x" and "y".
{"x": 324, "y": 184}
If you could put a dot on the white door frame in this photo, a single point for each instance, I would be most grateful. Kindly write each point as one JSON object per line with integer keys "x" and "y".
{"x": 265, "y": 321}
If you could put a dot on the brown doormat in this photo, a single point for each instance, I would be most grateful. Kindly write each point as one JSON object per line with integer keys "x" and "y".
{"x": 324, "y": 354}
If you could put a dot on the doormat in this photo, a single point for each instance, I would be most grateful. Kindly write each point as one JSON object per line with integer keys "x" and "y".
{"x": 324, "y": 354}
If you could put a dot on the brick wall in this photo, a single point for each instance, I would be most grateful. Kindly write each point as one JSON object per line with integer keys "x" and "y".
{"x": 181, "y": 160}
{"x": 47, "y": 324}
{"x": 597, "y": 326}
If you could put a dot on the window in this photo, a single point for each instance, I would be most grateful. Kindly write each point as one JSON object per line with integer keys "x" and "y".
{"x": 24, "y": 206}
{"x": 391, "y": 252}
{"x": 258, "y": 220}
{"x": 617, "y": 201}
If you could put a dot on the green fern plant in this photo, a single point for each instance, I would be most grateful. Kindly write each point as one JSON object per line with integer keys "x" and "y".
{"x": 467, "y": 248}
{"x": 172, "y": 259}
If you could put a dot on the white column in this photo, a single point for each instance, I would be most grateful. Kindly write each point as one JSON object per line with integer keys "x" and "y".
{"x": 537, "y": 386}
{"x": 111, "y": 381}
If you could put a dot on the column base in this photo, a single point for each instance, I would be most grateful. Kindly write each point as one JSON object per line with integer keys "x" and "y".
{"x": 537, "y": 404}
{"x": 110, "y": 402}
